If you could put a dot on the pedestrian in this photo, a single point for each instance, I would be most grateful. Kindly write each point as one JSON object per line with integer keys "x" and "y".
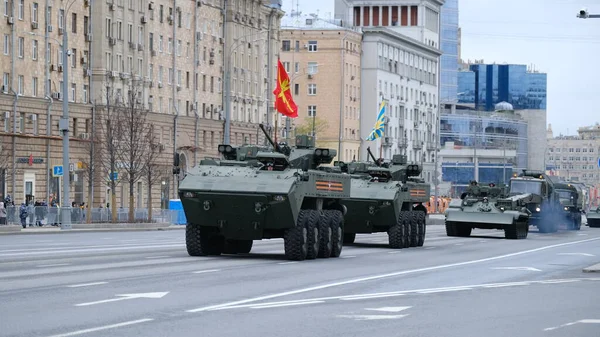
{"x": 2, "y": 213}
{"x": 23, "y": 215}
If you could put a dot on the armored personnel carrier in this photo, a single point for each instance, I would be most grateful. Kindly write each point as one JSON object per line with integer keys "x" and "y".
{"x": 385, "y": 198}
{"x": 570, "y": 197}
{"x": 543, "y": 202}
{"x": 488, "y": 207}
{"x": 253, "y": 194}
{"x": 593, "y": 218}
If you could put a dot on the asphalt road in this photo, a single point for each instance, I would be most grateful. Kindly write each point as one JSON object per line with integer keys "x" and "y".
{"x": 145, "y": 284}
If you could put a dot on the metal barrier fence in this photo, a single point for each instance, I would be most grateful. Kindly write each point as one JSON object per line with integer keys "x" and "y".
{"x": 51, "y": 216}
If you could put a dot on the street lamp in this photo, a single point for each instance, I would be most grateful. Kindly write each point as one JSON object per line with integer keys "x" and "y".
{"x": 232, "y": 48}
{"x": 584, "y": 14}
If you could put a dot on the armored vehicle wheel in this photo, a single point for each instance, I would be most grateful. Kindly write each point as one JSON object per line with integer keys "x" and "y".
{"x": 312, "y": 234}
{"x": 463, "y": 231}
{"x": 397, "y": 233}
{"x": 413, "y": 223}
{"x": 295, "y": 239}
{"x": 518, "y": 230}
{"x": 593, "y": 223}
{"x": 421, "y": 216}
{"x": 349, "y": 238}
{"x": 202, "y": 241}
{"x": 325, "y": 235}
{"x": 407, "y": 224}
{"x": 337, "y": 232}
{"x": 450, "y": 228}
{"x": 237, "y": 246}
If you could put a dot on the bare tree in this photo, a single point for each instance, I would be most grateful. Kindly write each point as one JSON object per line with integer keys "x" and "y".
{"x": 4, "y": 153}
{"x": 110, "y": 144}
{"x": 135, "y": 133}
{"x": 154, "y": 171}
{"x": 91, "y": 162}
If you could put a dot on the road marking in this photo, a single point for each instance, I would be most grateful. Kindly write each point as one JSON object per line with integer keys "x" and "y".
{"x": 291, "y": 262}
{"x": 371, "y": 317}
{"x": 105, "y": 327}
{"x": 582, "y": 254}
{"x": 157, "y": 257}
{"x": 125, "y": 297}
{"x": 459, "y": 244}
{"x": 389, "y": 309}
{"x": 583, "y": 321}
{"x": 482, "y": 240}
{"x": 382, "y": 276}
{"x": 395, "y": 252}
{"x": 86, "y": 284}
{"x": 582, "y": 234}
{"x": 257, "y": 306}
{"x": 206, "y": 271}
{"x": 348, "y": 257}
{"x": 517, "y": 268}
{"x": 396, "y": 293}
{"x": 429, "y": 247}
{"x": 53, "y": 265}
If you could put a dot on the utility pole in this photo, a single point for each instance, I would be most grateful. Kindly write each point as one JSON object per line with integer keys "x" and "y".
{"x": 64, "y": 127}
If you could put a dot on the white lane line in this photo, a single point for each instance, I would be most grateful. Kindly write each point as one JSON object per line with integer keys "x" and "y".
{"x": 382, "y": 276}
{"x": 581, "y": 254}
{"x": 157, "y": 257}
{"x": 590, "y": 321}
{"x": 206, "y": 271}
{"x": 291, "y": 262}
{"x": 482, "y": 240}
{"x": 348, "y": 256}
{"x": 284, "y": 305}
{"x": 371, "y": 317}
{"x": 389, "y": 309}
{"x": 429, "y": 247}
{"x": 459, "y": 244}
{"x": 583, "y": 321}
{"x": 86, "y": 284}
{"x": 105, "y": 327}
{"x": 443, "y": 290}
{"x": 355, "y": 298}
{"x": 395, "y": 252}
{"x": 582, "y": 234}
{"x": 53, "y": 265}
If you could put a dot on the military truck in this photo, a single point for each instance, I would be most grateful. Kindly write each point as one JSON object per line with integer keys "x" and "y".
{"x": 384, "y": 198}
{"x": 543, "y": 201}
{"x": 570, "y": 197}
{"x": 232, "y": 201}
{"x": 488, "y": 207}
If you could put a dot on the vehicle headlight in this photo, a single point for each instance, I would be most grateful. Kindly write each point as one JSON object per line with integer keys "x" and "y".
{"x": 502, "y": 209}
{"x": 566, "y": 208}
{"x": 537, "y": 209}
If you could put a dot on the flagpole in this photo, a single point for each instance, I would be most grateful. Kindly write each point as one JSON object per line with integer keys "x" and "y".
{"x": 276, "y": 112}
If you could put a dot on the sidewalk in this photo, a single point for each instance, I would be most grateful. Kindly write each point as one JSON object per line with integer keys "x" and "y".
{"x": 94, "y": 227}
{"x": 436, "y": 219}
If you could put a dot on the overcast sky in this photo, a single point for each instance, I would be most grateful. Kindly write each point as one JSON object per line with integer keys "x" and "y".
{"x": 543, "y": 33}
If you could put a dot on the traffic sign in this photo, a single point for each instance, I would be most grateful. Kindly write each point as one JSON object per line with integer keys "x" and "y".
{"x": 114, "y": 176}
{"x": 599, "y": 162}
{"x": 57, "y": 171}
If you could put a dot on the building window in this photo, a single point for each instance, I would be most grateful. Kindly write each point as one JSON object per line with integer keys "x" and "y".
{"x": 34, "y": 12}
{"x": 312, "y": 111}
{"x": 6, "y": 44}
{"x": 61, "y": 16}
{"x": 21, "y": 9}
{"x": 160, "y": 43}
{"x": 286, "y": 66}
{"x": 297, "y": 67}
{"x": 34, "y": 49}
{"x": 34, "y": 122}
{"x": 74, "y": 23}
{"x": 296, "y": 88}
{"x": 73, "y": 58}
{"x": 85, "y": 94}
{"x": 34, "y": 87}
{"x": 285, "y": 45}
{"x": 312, "y": 89}
{"x": 312, "y": 68}
{"x": 21, "y": 84}
{"x": 6, "y": 81}
{"x": 312, "y": 46}
{"x": 21, "y": 47}
{"x": 72, "y": 97}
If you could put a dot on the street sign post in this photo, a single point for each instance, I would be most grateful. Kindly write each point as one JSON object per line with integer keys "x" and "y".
{"x": 57, "y": 171}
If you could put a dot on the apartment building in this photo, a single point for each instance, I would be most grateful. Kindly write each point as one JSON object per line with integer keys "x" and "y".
{"x": 323, "y": 62}
{"x": 400, "y": 65}
{"x": 170, "y": 51}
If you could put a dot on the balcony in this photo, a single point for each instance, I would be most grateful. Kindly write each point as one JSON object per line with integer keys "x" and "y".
{"x": 431, "y": 146}
{"x": 402, "y": 143}
{"x": 418, "y": 145}
{"x": 387, "y": 141}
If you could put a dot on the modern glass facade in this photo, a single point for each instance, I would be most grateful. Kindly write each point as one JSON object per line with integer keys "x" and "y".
{"x": 485, "y": 85}
{"x": 449, "y": 59}
{"x": 490, "y": 132}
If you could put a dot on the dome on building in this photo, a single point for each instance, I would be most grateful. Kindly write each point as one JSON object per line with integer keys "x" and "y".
{"x": 504, "y": 106}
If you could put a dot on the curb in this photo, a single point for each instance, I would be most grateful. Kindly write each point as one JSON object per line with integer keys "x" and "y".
{"x": 592, "y": 269}
{"x": 435, "y": 220}
{"x": 91, "y": 229}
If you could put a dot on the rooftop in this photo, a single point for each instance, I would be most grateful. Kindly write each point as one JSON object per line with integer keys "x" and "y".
{"x": 297, "y": 20}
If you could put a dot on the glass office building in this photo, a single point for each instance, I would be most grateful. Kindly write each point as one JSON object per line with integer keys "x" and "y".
{"x": 498, "y": 132}
{"x": 449, "y": 46}
{"x": 485, "y": 85}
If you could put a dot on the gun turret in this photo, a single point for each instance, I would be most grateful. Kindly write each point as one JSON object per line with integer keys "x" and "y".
{"x": 242, "y": 153}
{"x": 401, "y": 171}
{"x": 372, "y": 156}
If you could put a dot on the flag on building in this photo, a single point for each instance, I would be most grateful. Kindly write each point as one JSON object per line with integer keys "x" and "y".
{"x": 284, "y": 103}
{"x": 379, "y": 127}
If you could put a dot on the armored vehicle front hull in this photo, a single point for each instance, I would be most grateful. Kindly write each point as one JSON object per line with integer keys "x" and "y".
{"x": 593, "y": 219}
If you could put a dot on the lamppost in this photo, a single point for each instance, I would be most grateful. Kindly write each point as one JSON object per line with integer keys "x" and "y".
{"x": 232, "y": 48}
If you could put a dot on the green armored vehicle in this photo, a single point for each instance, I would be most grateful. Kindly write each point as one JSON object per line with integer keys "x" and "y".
{"x": 384, "y": 198}
{"x": 233, "y": 201}
{"x": 488, "y": 207}
{"x": 543, "y": 202}
{"x": 593, "y": 218}
{"x": 570, "y": 197}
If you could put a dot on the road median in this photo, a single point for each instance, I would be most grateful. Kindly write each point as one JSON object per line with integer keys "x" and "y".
{"x": 93, "y": 227}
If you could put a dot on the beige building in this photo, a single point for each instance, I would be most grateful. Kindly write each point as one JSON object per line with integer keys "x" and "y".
{"x": 174, "y": 48}
{"x": 575, "y": 157}
{"x": 323, "y": 62}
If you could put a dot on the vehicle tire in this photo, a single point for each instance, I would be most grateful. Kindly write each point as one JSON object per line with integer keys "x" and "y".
{"x": 421, "y": 216}
{"x": 463, "y": 231}
{"x": 413, "y": 222}
{"x": 518, "y": 230}
{"x": 313, "y": 237}
{"x": 243, "y": 246}
{"x": 349, "y": 238}
{"x": 203, "y": 241}
{"x": 325, "y": 235}
{"x": 396, "y": 233}
{"x": 337, "y": 232}
{"x": 450, "y": 228}
{"x": 295, "y": 241}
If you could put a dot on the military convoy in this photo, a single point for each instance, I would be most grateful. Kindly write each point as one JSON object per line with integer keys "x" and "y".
{"x": 254, "y": 194}
{"x": 489, "y": 207}
{"x": 386, "y": 197}
{"x": 571, "y": 199}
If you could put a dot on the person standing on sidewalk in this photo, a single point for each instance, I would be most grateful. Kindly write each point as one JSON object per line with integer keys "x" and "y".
{"x": 2, "y": 213}
{"x": 23, "y": 215}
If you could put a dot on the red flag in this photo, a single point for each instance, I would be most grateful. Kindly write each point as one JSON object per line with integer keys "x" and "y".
{"x": 284, "y": 103}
